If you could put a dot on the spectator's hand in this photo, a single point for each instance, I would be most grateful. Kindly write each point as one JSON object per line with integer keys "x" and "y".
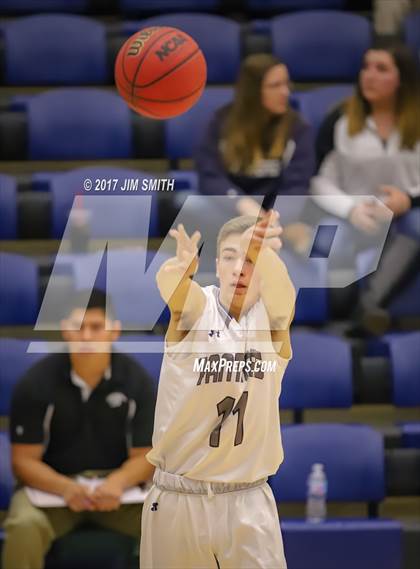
{"x": 186, "y": 259}
{"x": 364, "y": 216}
{"x": 398, "y": 201}
{"x": 78, "y": 497}
{"x": 265, "y": 233}
{"x": 107, "y": 496}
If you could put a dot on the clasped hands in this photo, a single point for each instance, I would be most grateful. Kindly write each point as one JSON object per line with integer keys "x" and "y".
{"x": 105, "y": 498}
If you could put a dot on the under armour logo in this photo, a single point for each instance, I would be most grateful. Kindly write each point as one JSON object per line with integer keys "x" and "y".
{"x": 214, "y": 333}
{"x": 154, "y": 507}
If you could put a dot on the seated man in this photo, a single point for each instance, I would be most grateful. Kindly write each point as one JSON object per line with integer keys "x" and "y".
{"x": 82, "y": 412}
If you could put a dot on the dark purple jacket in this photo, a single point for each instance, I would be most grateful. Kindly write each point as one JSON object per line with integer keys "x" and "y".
{"x": 294, "y": 175}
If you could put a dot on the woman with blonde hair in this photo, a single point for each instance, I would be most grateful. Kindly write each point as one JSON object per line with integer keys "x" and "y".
{"x": 370, "y": 146}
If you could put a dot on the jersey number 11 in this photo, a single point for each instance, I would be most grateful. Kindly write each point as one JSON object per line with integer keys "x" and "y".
{"x": 224, "y": 408}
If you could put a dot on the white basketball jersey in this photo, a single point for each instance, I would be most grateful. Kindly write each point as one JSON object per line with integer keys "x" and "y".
{"x": 217, "y": 412}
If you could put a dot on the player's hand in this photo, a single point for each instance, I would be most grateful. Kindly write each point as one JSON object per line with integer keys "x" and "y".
{"x": 398, "y": 201}
{"x": 78, "y": 497}
{"x": 249, "y": 206}
{"x": 107, "y": 496}
{"x": 186, "y": 260}
{"x": 265, "y": 233}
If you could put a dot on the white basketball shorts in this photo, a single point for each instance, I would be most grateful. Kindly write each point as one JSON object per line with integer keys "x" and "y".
{"x": 188, "y": 524}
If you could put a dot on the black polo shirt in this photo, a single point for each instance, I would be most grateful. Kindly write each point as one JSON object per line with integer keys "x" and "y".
{"x": 80, "y": 433}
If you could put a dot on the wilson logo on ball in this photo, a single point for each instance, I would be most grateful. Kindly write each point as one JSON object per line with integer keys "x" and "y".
{"x": 170, "y": 46}
{"x": 160, "y": 72}
{"x": 140, "y": 40}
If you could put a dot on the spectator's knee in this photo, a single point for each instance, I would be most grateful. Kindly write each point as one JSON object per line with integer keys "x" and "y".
{"x": 28, "y": 525}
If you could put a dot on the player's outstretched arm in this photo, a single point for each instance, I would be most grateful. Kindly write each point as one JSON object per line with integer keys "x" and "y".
{"x": 261, "y": 243}
{"x": 185, "y": 298}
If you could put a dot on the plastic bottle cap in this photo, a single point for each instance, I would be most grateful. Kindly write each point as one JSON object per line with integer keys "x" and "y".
{"x": 318, "y": 467}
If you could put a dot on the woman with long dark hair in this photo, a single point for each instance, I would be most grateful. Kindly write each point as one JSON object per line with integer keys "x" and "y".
{"x": 258, "y": 145}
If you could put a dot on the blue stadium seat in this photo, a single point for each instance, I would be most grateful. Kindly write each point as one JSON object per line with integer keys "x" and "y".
{"x": 6, "y": 476}
{"x": 27, "y": 6}
{"x": 319, "y": 374}
{"x": 337, "y": 544}
{"x": 321, "y": 45}
{"x": 261, "y": 6}
{"x": 8, "y": 207}
{"x": 353, "y": 456}
{"x": 312, "y": 298}
{"x": 128, "y": 219}
{"x": 407, "y": 302}
{"x": 411, "y": 435}
{"x": 223, "y": 56}
{"x": 185, "y": 180}
{"x": 411, "y": 32}
{"x": 151, "y": 361}
{"x": 317, "y": 103}
{"x": 404, "y": 356}
{"x": 54, "y": 49}
{"x": 19, "y": 301}
{"x": 183, "y": 133}
{"x": 78, "y": 124}
{"x": 135, "y": 296}
{"x": 14, "y": 361}
{"x": 136, "y": 6}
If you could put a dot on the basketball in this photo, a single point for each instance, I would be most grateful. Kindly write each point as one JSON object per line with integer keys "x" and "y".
{"x": 160, "y": 72}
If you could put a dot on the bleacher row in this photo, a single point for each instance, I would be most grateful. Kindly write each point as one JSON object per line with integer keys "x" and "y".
{"x": 92, "y": 124}
{"x": 28, "y": 277}
{"x": 135, "y": 7}
{"x": 85, "y": 48}
{"x": 386, "y": 374}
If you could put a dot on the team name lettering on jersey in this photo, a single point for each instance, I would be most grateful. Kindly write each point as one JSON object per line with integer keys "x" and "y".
{"x": 238, "y": 367}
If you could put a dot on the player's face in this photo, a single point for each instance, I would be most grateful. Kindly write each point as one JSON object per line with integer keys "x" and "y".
{"x": 239, "y": 286}
{"x": 90, "y": 331}
{"x": 379, "y": 78}
{"x": 276, "y": 90}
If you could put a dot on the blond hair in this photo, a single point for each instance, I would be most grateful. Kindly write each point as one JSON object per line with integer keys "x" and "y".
{"x": 234, "y": 226}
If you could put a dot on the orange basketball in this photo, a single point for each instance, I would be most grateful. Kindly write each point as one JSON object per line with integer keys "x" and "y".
{"x": 160, "y": 72}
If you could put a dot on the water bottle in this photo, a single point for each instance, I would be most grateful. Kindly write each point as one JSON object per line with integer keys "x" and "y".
{"x": 316, "y": 503}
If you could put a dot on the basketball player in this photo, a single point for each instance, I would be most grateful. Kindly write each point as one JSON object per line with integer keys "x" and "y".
{"x": 216, "y": 434}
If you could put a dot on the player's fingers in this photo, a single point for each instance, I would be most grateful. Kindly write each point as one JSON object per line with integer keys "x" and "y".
{"x": 195, "y": 237}
{"x": 276, "y": 244}
{"x": 181, "y": 266}
{"x": 269, "y": 232}
{"x": 264, "y": 221}
{"x": 174, "y": 233}
{"x": 183, "y": 233}
{"x": 274, "y": 231}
